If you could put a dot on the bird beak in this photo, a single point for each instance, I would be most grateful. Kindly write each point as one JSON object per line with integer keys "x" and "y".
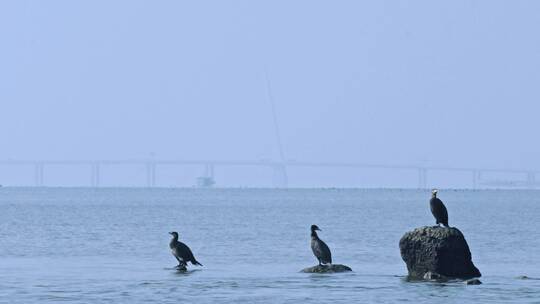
{"x": 318, "y": 229}
{"x": 170, "y": 232}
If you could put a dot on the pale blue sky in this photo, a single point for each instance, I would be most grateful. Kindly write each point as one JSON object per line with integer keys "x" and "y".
{"x": 448, "y": 82}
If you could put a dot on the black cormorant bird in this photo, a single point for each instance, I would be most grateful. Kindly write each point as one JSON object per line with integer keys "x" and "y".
{"x": 320, "y": 249}
{"x": 438, "y": 209}
{"x": 181, "y": 252}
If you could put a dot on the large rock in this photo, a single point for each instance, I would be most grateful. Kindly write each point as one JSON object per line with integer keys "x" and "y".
{"x": 327, "y": 268}
{"x": 432, "y": 251}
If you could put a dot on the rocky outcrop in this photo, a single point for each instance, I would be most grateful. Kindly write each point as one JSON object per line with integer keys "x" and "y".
{"x": 327, "y": 268}
{"x": 437, "y": 252}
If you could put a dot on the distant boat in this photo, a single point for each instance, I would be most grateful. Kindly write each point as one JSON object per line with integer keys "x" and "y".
{"x": 205, "y": 182}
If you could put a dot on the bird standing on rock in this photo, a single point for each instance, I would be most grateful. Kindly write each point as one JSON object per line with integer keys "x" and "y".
{"x": 438, "y": 209}
{"x": 320, "y": 249}
{"x": 181, "y": 252}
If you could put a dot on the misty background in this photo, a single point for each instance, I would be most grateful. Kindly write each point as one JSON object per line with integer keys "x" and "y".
{"x": 442, "y": 83}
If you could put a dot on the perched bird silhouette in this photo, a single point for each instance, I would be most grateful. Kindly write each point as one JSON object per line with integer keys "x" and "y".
{"x": 320, "y": 249}
{"x": 438, "y": 209}
{"x": 181, "y": 251}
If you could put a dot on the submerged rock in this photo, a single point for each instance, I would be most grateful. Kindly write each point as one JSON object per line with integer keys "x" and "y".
{"x": 181, "y": 268}
{"x": 473, "y": 282}
{"x": 437, "y": 253}
{"x": 327, "y": 268}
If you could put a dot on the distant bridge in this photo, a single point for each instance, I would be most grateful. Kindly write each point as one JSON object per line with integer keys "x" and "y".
{"x": 279, "y": 170}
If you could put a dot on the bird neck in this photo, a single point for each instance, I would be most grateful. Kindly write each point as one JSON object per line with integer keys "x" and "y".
{"x": 174, "y": 239}
{"x": 314, "y": 234}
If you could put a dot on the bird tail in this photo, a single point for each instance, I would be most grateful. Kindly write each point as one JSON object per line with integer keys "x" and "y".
{"x": 195, "y": 262}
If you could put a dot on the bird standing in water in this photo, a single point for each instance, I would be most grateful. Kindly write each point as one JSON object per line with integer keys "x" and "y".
{"x": 438, "y": 209}
{"x": 320, "y": 249}
{"x": 181, "y": 252}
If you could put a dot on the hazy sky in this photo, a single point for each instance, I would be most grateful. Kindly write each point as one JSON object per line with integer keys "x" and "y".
{"x": 402, "y": 82}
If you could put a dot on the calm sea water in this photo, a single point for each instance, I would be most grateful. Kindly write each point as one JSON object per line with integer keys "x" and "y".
{"x": 111, "y": 245}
